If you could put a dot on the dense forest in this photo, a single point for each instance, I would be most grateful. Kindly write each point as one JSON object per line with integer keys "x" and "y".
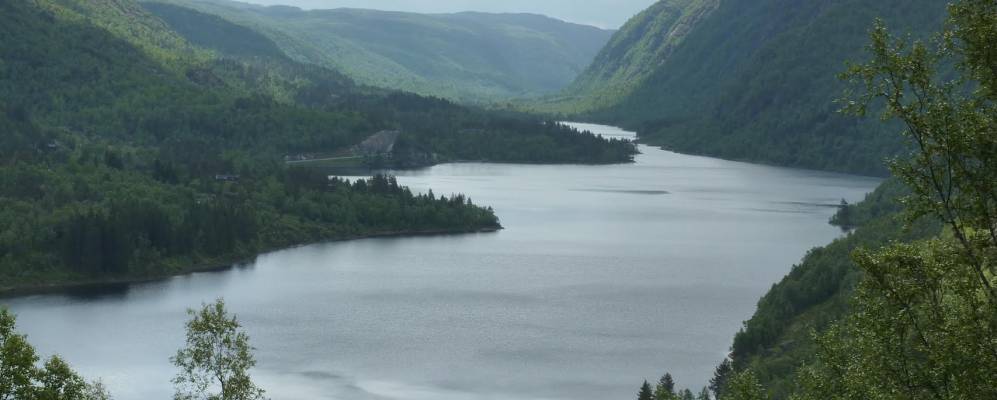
{"x": 903, "y": 307}
{"x": 777, "y": 339}
{"x": 746, "y": 80}
{"x": 468, "y": 57}
{"x": 127, "y": 151}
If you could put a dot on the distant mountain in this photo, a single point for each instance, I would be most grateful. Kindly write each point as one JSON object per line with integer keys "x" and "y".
{"x": 749, "y": 80}
{"x": 465, "y": 56}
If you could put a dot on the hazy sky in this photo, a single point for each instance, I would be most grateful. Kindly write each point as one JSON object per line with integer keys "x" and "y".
{"x": 602, "y": 13}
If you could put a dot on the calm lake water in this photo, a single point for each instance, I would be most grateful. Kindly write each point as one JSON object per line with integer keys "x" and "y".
{"x": 604, "y": 276}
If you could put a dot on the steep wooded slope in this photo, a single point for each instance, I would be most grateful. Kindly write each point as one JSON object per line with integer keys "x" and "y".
{"x": 747, "y": 80}
{"x": 636, "y": 51}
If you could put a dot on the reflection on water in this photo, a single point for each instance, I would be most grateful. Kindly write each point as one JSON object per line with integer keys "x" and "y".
{"x": 108, "y": 292}
{"x": 604, "y": 276}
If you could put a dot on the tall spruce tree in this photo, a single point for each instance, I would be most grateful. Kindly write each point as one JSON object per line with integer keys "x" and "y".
{"x": 720, "y": 377}
{"x": 665, "y": 389}
{"x": 645, "y": 392}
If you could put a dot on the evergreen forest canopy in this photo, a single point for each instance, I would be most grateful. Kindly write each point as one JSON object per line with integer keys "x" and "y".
{"x": 905, "y": 306}
{"x": 129, "y": 152}
{"x": 745, "y": 80}
{"x": 468, "y": 57}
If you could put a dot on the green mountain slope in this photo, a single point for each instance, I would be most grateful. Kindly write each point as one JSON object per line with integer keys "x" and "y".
{"x": 213, "y": 32}
{"x": 465, "y": 56}
{"x": 748, "y": 80}
{"x": 635, "y": 51}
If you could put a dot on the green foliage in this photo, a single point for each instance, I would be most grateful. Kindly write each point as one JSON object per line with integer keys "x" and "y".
{"x": 60, "y": 382}
{"x": 17, "y": 364}
{"x": 926, "y": 313}
{"x": 217, "y": 355}
{"x": 467, "y": 57}
{"x": 922, "y": 329}
{"x": 665, "y": 389}
{"x": 744, "y": 386}
{"x": 22, "y": 379}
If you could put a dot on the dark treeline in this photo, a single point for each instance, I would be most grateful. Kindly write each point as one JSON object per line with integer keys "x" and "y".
{"x": 665, "y": 389}
{"x": 90, "y": 218}
{"x": 453, "y": 132}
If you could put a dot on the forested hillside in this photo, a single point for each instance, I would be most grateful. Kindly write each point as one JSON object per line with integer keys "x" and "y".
{"x": 746, "y": 80}
{"x": 129, "y": 152}
{"x": 467, "y": 56}
{"x": 903, "y": 307}
{"x": 777, "y": 340}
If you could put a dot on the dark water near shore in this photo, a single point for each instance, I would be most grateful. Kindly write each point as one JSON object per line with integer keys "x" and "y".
{"x": 605, "y": 276}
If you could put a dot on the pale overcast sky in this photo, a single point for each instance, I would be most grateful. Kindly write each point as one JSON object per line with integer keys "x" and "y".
{"x": 602, "y": 13}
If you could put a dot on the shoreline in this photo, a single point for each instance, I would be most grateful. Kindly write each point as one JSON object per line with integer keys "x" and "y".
{"x": 217, "y": 266}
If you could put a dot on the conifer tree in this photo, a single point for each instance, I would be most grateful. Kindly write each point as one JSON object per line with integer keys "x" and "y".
{"x": 720, "y": 377}
{"x": 665, "y": 389}
{"x": 645, "y": 392}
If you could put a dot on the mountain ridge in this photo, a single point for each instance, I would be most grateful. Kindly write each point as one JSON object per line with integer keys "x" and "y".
{"x": 468, "y": 56}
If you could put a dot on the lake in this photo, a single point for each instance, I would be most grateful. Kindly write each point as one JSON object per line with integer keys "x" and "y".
{"x": 604, "y": 276}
